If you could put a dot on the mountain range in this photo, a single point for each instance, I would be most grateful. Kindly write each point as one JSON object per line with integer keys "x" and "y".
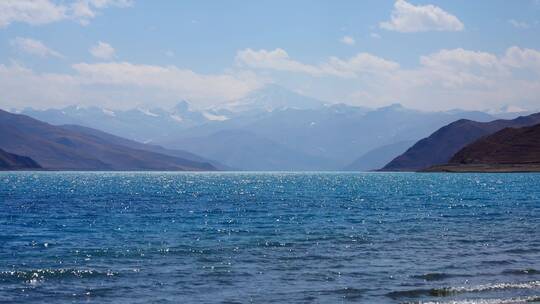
{"x": 443, "y": 144}
{"x": 508, "y": 150}
{"x": 270, "y": 129}
{"x": 156, "y": 124}
{"x": 66, "y": 148}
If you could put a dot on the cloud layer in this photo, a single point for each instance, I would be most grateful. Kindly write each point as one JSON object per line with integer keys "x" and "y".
{"x": 34, "y": 47}
{"x": 409, "y": 18}
{"x": 347, "y": 40}
{"x": 119, "y": 85}
{"x": 102, "y": 51}
{"x": 38, "y": 12}
{"x": 449, "y": 78}
{"x": 445, "y": 79}
{"x": 279, "y": 60}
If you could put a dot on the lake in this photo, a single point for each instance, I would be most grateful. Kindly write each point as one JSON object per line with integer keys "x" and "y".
{"x": 269, "y": 237}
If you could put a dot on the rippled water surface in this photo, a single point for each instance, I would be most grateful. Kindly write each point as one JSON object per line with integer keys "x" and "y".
{"x": 269, "y": 238}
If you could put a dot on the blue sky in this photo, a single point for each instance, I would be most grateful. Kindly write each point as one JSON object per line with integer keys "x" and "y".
{"x": 430, "y": 55}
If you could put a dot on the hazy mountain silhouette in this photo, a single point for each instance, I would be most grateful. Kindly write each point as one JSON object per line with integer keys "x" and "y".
{"x": 326, "y": 136}
{"x": 379, "y": 157}
{"x": 334, "y": 135}
{"x": 146, "y": 147}
{"x": 243, "y": 149}
{"x": 153, "y": 125}
{"x": 55, "y": 147}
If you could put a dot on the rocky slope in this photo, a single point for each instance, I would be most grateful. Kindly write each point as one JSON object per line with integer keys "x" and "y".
{"x": 509, "y": 150}
{"x": 439, "y": 147}
{"x": 10, "y": 161}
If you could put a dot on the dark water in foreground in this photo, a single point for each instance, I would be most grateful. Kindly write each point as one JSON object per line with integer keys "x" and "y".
{"x": 269, "y": 238}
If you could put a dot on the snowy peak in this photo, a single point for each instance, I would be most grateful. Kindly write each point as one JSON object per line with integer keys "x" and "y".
{"x": 393, "y": 107}
{"x": 148, "y": 112}
{"x": 181, "y": 107}
{"x": 271, "y": 98}
{"x": 108, "y": 112}
{"x": 214, "y": 117}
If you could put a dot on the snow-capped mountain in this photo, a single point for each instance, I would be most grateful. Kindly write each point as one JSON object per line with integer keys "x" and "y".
{"x": 273, "y": 97}
{"x": 270, "y": 129}
{"x": 141, "y": 124}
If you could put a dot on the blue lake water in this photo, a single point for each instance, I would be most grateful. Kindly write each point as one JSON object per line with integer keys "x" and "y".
{"x": 269, "y": 238}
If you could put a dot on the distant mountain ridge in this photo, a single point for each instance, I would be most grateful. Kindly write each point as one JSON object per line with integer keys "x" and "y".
{"x": 154, "y": 124}
{"x": 249, "y": 151}
{"x": 271, "y": 98}
{"x": 139, "y": 124}
{"x": 146, "y": 147}
{"x": 10, "y": 161}
{"x": 331, "y": 137}
{"x": 439, "y": 147}
{"x": 58, "y": 148}
{"x": 315, "y": 135}
{"x": 378, "y": 157}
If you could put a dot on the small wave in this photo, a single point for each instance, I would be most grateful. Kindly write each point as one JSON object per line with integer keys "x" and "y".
{"x": 348, "y": 293}
{"x": 37, "y": 275}
{"x": 528, "y": 271}
{"x": 449, "y": 291}
{"x": 498, "y": 262}
{"x": 532, "y": 299}
{"x": 522, "y": 250}
{"x": 435, "y": 276}
{"x": 411, "y": 293}
{"x": 495, "y": 286}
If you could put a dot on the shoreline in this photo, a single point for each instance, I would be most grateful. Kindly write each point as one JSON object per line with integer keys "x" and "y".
{"x": 484, "y": 168}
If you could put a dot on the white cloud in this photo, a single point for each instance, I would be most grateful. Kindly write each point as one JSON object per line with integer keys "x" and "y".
{"x": 185, "y": 83}
{"x": 84, "y": 10}
{"x": 522, "y": 58}
{"x": 409, "y": 18}
{"x": 102, "y": 51}
{"x": 375, "y": 35}
{"x": 448, "y": 78}
{"x": 279, "y": 60}
{"x": 459, "y": 58}
{"x": 38, "y": 12}
{"x": 347, "y": 40}
{"x": 20, "y": 87}
{"x": 358, "y": 65}
{"x": 519, "y": 24}
{"x": 459, "y": 68}
{"x": 34, "y": 47}
{"x": 33, "y": 12}
{"x": 119, "y": 85}
{"x": 459, "y": 78}
{"x": 109, "y": 3}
